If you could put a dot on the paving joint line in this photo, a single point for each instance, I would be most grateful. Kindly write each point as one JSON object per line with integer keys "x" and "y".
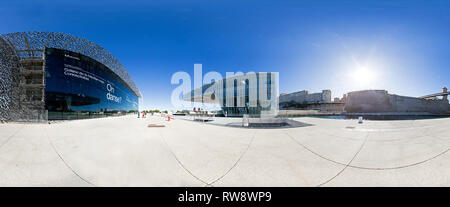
{"x": 313, "y": 152}
{"x": 179, "y": 161}
{"x": 237, "y": 161}
{"x": 369, "y": 168}
{"x": 356, "y": 154}
{"x": 210, "y": 184}
{"x": 68, "y": 166}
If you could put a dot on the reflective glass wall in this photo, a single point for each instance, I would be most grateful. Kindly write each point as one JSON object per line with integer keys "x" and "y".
{"x": 79, "y": 87}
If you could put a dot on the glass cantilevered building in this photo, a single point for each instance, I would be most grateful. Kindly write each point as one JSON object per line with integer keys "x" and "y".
{"x": 52, "y": 76}
{"x": 254, "y": 94}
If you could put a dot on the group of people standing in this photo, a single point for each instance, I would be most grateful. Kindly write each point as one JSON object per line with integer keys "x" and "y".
{"x": 144, "y": 114}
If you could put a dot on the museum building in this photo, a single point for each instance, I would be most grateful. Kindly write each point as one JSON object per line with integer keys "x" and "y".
{"x": 55, "y": 76}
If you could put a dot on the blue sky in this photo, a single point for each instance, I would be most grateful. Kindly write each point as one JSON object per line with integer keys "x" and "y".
{"x": 401, "y": 46}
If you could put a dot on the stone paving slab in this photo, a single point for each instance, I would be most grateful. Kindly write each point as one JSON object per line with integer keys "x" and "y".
{"x": 123, "y": 151}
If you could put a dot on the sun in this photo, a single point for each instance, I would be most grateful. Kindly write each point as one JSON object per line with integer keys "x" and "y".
{"x": 363, "y": 77}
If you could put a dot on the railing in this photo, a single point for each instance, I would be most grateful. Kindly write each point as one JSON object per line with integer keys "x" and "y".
{"x": 436, "y": 94}
{"x": 200, "y": 117}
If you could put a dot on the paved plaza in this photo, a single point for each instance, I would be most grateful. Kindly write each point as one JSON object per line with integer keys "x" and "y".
{"x": 123, "y": 151}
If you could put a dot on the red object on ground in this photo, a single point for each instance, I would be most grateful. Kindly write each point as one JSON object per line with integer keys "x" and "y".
{"x": 168, "y": 118}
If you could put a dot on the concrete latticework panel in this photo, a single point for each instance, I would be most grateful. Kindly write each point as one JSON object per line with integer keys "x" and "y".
{"x": 8, "y": 81}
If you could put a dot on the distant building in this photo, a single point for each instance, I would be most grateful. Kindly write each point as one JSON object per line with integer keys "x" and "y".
{"x": 304, "y": 97}
{"x": 380, "y": 101}
{"x": 340, "y": 100}
{"x": 303, "y": 100}
{"x": 367, "y": 101}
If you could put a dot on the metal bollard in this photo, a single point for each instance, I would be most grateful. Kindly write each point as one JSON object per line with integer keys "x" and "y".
{"x": 360, "y": 120}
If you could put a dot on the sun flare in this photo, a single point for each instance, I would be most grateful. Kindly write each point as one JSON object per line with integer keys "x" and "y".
{"x": 363, "y": 77}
